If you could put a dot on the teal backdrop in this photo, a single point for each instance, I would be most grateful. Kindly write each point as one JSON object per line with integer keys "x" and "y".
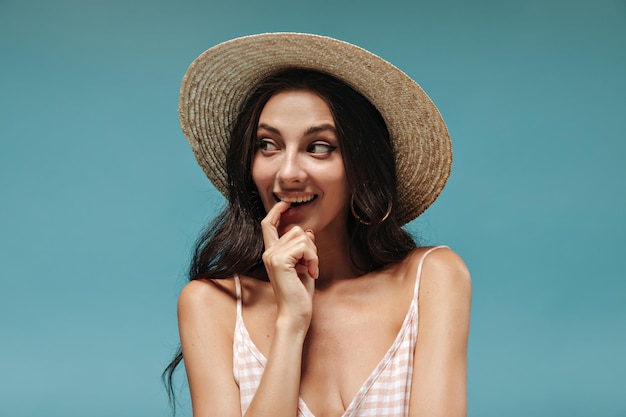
{"x": 101, "y": 198}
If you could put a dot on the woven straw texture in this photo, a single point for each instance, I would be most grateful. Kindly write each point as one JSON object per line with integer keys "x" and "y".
{"x": 220, "y": 79}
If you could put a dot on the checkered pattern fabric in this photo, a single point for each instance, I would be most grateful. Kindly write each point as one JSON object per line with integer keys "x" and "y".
{"x": 386, "y": 392}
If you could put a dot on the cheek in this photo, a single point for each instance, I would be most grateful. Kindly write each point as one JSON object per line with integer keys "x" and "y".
{"x": 259, "y": 173}
{"x": 262, "y": 178}
{"x": 338, "y": 185}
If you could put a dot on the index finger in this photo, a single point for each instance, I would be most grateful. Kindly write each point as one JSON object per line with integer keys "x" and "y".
{"x": 269, "y": 225}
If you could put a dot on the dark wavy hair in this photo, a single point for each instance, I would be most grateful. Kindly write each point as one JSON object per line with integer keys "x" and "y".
{"x": 233, "y": 242}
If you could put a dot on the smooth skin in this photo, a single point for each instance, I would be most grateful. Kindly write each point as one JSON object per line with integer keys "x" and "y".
{"x": 322, "y": 325}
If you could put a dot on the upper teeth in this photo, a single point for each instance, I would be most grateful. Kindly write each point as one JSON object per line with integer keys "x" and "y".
{"x": 301, "y": 199}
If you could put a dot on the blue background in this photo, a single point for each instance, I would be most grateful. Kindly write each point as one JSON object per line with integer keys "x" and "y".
{"x": 101, "y": 199}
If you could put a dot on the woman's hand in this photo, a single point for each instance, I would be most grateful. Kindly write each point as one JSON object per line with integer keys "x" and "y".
{"x": 292, "y": 265}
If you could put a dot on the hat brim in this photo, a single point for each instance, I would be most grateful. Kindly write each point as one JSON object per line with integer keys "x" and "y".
{"x": 220, "y": 79}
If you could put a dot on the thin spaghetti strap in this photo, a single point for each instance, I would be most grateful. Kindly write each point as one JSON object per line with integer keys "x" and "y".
{"x": 238, "y": 294}
{"x": 418, "y": 276}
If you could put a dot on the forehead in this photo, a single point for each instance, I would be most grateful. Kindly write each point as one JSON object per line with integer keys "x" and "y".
{"x": 296, "y": 107}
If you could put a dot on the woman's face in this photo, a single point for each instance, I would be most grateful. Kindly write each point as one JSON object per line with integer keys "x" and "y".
{"x": 298, "y": 160}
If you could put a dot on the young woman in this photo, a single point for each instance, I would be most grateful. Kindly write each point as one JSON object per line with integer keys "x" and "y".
{"x": 306, "y": 295}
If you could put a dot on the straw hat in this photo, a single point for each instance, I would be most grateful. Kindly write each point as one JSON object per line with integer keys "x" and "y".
{"x": 220, "y": 79}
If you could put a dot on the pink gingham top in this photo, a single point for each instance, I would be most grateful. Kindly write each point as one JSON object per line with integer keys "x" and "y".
{"x": 387, "y": 390}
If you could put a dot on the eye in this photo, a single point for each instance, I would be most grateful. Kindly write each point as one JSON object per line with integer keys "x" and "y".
{"x": 266, "y": 145}
{"x": 320, "y": 148}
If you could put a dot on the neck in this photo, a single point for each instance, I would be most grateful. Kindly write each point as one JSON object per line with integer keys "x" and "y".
{"x": 335, "y": 261}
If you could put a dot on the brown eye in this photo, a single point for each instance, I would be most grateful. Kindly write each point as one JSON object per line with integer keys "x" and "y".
{"x": 266, "y": 145}
{"x": 320, "y": 148}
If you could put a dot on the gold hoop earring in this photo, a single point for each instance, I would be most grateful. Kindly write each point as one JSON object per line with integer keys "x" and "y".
{"x": 365, "y": 222}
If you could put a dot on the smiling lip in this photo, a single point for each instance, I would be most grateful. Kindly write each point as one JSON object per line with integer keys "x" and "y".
{"x": 296, "y": 200}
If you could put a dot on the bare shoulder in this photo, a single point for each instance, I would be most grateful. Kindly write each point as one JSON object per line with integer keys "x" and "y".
{"x": 206, "y": 322}
{"x": 445, "y": 265}
{"x": 208, "y": 299}
{"x": 445, "y": 275}
{"x": 202, "y": 290}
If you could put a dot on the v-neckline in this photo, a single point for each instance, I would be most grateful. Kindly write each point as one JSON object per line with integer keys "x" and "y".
{"x": 369, "y": 381}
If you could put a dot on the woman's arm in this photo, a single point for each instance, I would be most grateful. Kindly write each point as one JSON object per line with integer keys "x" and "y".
{"x": 206, "y": 322}
{"x": 439, "y": 387}
{"x": 291, "y": 264}
{"x": 207, "y": 312}
{"x": 206, "y": 315}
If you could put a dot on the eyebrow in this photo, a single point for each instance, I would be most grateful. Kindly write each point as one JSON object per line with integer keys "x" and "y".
{"x": 268, "y": 127}
{"x": 309, "y": 131}
{"x": 320, "y": 128}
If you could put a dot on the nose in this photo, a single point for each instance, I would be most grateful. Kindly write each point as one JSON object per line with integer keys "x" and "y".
{"x": 291, "y": 168}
